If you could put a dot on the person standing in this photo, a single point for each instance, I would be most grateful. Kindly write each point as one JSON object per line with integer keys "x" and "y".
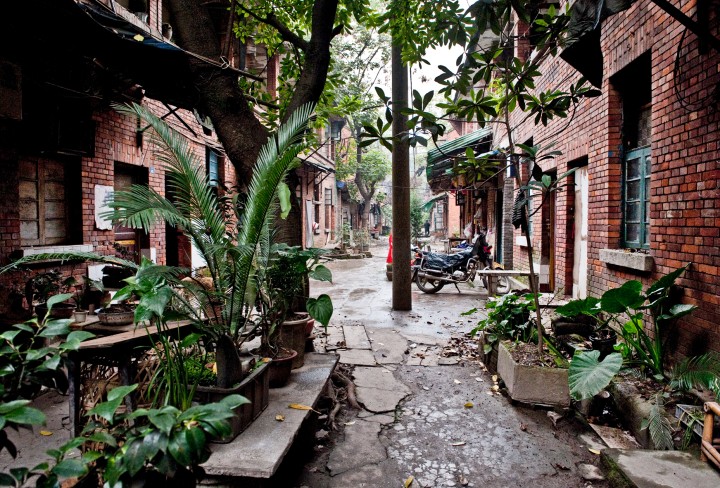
{"x": 427, "y": 228}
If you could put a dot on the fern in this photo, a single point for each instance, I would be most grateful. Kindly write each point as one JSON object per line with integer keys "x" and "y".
{"x": 696, "y": 372}
{"x": 659, "y": 427}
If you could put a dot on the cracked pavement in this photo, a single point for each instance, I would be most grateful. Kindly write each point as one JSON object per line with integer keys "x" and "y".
{"x": 427, "y": 418}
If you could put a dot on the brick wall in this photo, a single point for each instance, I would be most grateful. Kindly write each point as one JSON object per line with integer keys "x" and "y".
{"x": 115, "y": 142}
{"x": 684, "y": 215}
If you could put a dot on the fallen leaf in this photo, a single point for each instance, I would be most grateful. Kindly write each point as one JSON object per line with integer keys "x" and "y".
{"x": 523, "y": 427}
{"x": 408, "y": 482}
{"x": 495, "y": 388}
{"x": 478, "y": 378}
{"x": 45, "y": 432}
{"x": 469, "y": 405}
{"x": 463, "y": 480}
{"x": 426, "y": 388}
{"x": 562, "y": 467}
{"x": 594, "y": 451}
{"x": 350, "y": 423}
{"x": 460, "y": 443}
{"x": 298, "y": 406}
{"x": 494, "y": 378}
{"x": 457, "y": 382}
{"x": 280, "y": 418}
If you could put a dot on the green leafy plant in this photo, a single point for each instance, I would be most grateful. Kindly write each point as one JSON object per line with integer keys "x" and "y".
{"x": 508, "y": 319}
{"x": 32, "y": 356}
{"x": 624, "y": 309}
{"x": 167, "y": 440}
{"x": 588, "y": 375}
{"x": 658, "y": 426}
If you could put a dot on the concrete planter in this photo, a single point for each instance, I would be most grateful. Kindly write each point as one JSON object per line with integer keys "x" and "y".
{"x": 533, "y": 384}
{"x": 489, "y": 359}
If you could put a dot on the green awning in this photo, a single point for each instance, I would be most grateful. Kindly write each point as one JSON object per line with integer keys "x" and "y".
{"x": 441, "y": 159}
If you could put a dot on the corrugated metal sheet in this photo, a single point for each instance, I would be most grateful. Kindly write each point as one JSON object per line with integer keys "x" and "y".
{"x": 439, "y": 161}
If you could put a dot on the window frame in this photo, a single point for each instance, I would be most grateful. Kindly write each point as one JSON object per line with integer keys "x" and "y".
{"x": 72, "y": 234}
{"x": 645, "y": 171}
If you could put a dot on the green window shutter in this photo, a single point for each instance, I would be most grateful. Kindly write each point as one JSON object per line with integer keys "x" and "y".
{"x": 636, "y": 199}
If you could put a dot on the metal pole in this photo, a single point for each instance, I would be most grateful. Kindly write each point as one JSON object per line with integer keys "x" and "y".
{"x": 401, "y": 297}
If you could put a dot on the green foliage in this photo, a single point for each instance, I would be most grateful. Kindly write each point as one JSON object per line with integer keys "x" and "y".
{"x": 659, "y": 427}
{"x": 509, "y": 318}
{"x": 259, "y": 22}
{"x": 697, "y": 372}
{"x": 418, "y": 215}
{"x": 587, "y": 375}
{"x": 624, "y": 310}
{"x": 234, "y": 243}
{"x": 33, "y": 356}
{"x": 197, "y": 371}
{"x": 166, "y": 440}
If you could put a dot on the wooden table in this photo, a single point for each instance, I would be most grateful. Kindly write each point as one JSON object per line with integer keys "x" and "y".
{"x": 116, "y": 350}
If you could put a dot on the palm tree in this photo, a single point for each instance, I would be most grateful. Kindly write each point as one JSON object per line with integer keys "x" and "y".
{"x": 233, "y": 243}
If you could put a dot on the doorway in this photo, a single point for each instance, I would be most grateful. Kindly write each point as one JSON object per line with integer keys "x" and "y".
{"x": 128, "y": 241}
{"x": 547, "y": 244}
{"x": 580, "y": 234}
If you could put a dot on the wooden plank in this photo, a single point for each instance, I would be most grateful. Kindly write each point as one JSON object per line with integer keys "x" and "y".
{"x": 502, "y": 272}
{"x": 122, "y": 339}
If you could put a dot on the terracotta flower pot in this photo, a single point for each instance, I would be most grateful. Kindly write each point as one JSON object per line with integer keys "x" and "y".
{"x": 59, "y": 311}
{"x": 281, "y": 368}
{"x": 292, "y": 336}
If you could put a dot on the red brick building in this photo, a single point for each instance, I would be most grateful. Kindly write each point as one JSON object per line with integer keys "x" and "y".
{"x": 644, "y": 200}
{"x": 64, "y": 148}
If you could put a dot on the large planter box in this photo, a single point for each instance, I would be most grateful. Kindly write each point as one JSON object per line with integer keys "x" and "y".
{"x": 533, "y": 384}
{"x": 255, "y": 388}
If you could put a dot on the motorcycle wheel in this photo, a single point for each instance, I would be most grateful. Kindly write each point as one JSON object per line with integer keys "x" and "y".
{"x": 426, "y": 285}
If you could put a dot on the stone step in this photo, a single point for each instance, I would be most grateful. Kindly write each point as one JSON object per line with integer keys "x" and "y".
{"x": 256, "y": 453}
{"x": 638, "y": 468}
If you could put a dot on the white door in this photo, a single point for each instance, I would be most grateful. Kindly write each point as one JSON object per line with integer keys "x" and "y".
{"x": 581, "y": 234}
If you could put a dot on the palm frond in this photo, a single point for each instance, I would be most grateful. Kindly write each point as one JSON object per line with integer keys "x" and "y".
{"x": 142, "y": 207}
{"x": 659, "y": 427}
{"x": 696, "y": 372}
{"x": 66, "y": 256}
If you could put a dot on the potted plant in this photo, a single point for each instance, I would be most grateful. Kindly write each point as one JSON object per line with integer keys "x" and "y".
{"x": 113, "y": 275}
{"x": 287, "y": 296}
{"x": 40, "y": 287}
{"x": 510, "y": 330}
{"x": 233, "y": 239}
{"x": 588, "y": 315}
{"x": 508, "y": 319}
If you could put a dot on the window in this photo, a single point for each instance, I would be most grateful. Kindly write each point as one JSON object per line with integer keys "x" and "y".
{"x": 439, "y": 215}
{"x": 212, "y": 168}
{"x": 634, "y": 86}
{"x": 47, "y": 190}
{"x": 636, "y": 198}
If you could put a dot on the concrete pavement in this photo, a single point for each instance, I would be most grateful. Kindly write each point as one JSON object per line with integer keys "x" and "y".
{"x": 429, "y": 418}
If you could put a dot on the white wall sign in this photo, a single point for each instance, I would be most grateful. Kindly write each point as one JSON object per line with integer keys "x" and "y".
{"x": 103, "y": 195}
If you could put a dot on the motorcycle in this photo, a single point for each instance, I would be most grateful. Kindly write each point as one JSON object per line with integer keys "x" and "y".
{"x": 432, "y": 271}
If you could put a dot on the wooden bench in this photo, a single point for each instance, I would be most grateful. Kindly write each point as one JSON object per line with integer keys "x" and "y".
{"x": 709, "y": 446}
{"x": 493, "y": 274}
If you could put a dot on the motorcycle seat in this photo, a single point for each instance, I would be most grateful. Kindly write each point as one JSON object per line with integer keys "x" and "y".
{"x": 442, "y": 261}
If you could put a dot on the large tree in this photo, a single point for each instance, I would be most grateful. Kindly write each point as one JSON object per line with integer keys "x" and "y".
{"x": 302, "y": 30}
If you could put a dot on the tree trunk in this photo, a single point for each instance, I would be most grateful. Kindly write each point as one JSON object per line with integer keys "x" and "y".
{"x": 220, "y": 97}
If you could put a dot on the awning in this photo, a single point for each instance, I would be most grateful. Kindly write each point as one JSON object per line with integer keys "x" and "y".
{"x": 427, "y": 206}
{"x": 440, "y": 161}
{"x": 583, "y": 52}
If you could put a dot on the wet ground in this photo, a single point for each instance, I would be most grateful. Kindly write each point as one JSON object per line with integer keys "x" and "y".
{"x": 430, "y": 418}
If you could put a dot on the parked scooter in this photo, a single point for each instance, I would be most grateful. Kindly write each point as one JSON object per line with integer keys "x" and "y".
{"x": 432, "y": 271}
